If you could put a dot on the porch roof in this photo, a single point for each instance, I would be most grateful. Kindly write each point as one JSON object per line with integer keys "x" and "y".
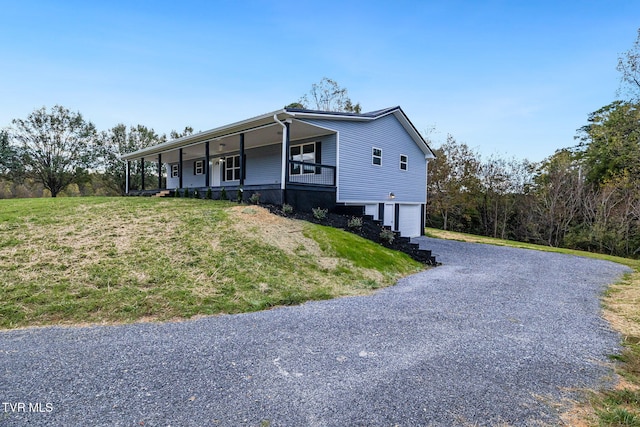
{"x": 265, "y": 130}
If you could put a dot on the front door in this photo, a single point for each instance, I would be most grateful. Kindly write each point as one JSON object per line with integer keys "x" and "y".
{"x": 215, "y": 174}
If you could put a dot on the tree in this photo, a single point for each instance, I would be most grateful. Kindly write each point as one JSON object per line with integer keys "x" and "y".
{"x": 328, "y": 96}
{"x": 452, "y": 184}
{"x": 57, "y": 147}
{"x": 10, "y": 164}
{"x": 120, "y": 140}
{"x": 610, "y": 143}
{"x": 188, "y": 130}
{"x": 629, "y": 67}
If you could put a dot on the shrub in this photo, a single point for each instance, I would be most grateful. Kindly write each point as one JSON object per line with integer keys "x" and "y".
{"x": 355, "y": 222}
{"x": 239, "y": 195}
{"x": 255, "y": 198}
{"x": 196, "y": 194}
{"x": 319, "y": 213}
{"x": 176, "y": 193}
{"x": 186, "y": 193}
{"x": 287, "y": 209}
{"x": 208, "y": 195}
{"x": 387, "y": 236}
{"x": 223, "y": 194}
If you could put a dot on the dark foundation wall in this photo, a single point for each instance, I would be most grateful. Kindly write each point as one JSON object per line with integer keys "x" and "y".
{"x": 310, "y": 197}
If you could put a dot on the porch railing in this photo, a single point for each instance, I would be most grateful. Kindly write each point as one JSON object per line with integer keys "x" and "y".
{"x": 311, "y": 173}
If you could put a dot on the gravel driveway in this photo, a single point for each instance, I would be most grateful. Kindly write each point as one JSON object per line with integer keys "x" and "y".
{"x": 494, "y": 335}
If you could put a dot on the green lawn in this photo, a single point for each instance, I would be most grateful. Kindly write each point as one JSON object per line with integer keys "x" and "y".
{"x": 110, "y": 260}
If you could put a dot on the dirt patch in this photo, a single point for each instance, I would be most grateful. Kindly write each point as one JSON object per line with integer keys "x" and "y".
{"x": 284, "y": 233}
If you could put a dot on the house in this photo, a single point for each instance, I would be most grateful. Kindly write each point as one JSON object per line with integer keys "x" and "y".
{"x": 375, "y": 162}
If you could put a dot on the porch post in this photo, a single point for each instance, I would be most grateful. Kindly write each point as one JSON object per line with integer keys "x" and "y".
{"x": 242, "y": 165}
{"x": 127, "y": 179}
{"x": 207, "y": 171}
{"x": 180, "y": 168}
{"x": 142, "y": 174}
{"x": 160, "y": 171}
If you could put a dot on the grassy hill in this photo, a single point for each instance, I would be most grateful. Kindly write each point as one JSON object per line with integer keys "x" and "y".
{"x": 109, "y": 260}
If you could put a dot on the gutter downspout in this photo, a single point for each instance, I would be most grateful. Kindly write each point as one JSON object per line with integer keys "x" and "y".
{"x": 283, "y": 175}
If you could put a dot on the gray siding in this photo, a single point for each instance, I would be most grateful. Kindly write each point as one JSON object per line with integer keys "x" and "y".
{"x": 359, "y": 180}
{"x": 189, "y": 180}
{"x": 263, "y": 165}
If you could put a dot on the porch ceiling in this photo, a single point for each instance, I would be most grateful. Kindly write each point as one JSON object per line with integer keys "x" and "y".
{"x": 267, "y": 135}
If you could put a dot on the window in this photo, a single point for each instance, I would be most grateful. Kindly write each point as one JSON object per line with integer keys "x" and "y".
{"x": 231, "y": 168}
{"x": 404, "y": 162}
{"x": 376, "y": 158}
{"x": 198, "y": 167}
{"x": 302, "y": 153}
{"x": 174, "y": 171}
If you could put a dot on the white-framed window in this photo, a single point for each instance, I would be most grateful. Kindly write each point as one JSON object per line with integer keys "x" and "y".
{"x": 376, "y": 156}
{"x": 302, "y": 153}
{"x": 198, "y": 167}
{"x": 404, "y": 162}
{"x": 174, "y": 171}
{"x": 231, "y": 168}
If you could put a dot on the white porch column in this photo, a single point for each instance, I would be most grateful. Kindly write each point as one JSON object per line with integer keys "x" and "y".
{"x": 126, "y": 186}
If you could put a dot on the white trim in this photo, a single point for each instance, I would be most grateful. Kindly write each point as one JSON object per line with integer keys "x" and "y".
{"x": 337, "y": 183}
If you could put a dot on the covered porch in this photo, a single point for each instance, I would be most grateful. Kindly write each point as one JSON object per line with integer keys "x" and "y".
{"x": 278, "y": 157}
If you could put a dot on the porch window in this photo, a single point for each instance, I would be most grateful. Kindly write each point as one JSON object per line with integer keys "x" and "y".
{"x": 404, "y": 162}
{"x": 303, "y": 153}
{"x": 174, "y": 171}
{"x": 376, "y": 156}
{"x": 198, "y": 167}
{"x": 231, "y": 167}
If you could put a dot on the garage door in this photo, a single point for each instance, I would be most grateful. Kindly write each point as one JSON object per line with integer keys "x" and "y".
{"x": 409, "y": 220}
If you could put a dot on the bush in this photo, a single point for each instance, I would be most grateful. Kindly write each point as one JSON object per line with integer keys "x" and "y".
{"x": 387, "y": 236}
{"x": 355, "y": 222}
{"x": 176, "y": 193}
{"x": 186, "y": 193}
{"x": 255, "y": 198}
{"x": 196, "y": 195}
{"x": 208, "y": 195}
{"x": 223, "y": 194}
{"x": 319, "y": 213}
{"x": 239, "y": 195}
{"x": 287, "y": 209}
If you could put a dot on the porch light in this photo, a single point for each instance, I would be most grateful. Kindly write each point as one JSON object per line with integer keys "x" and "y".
{"x": 392, "y": 196}
{"x": 221, "y": 147}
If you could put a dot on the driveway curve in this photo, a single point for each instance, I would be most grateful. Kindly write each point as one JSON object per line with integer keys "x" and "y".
{"x": 494, "y": 336}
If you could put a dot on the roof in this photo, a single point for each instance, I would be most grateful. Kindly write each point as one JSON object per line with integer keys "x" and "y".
{"x": 269, "y": 119}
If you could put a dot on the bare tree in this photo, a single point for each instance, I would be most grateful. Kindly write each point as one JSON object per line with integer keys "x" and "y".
{"x": 328, "y": 96}
{"x": 629, "y": 67}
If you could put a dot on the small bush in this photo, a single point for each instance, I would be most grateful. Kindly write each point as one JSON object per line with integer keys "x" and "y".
{"x": 176, "y": 193}
{"x": 355, "y": 222}
{"x": 319, "y": 213}
{"x": 196, "y": 194}
{"x": 239, "y": 195}
{"x": 255, "y": 198}
{"x": 208, "y": 195}
{"x": 387, "y": 236}
{"x": 287, "y": 209}
{"x": 186, "y": 193}
{"x": 223, "y": 194}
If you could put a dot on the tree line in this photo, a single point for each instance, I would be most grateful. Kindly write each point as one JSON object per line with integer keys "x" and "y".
{"x": 586, "y": 196}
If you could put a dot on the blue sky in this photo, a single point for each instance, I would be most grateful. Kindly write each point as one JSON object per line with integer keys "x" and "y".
{"x": 511, "y": 78}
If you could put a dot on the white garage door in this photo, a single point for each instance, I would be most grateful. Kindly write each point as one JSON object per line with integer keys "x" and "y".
{"x": 409, "y": 220}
